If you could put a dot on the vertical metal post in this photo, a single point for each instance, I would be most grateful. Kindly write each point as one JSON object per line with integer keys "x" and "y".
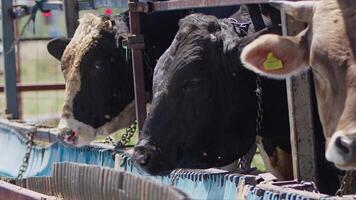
{"x": 71, "y": 10}
{"x": 137, "y": 63}
{"x": 9, "y": 60}
{"x": 18, "y": 69}
{"x": 301, "y": 116}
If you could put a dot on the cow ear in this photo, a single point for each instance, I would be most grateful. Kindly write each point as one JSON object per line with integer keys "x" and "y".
{"x": 275, "y": 56}
{"x": 57, "y": 46}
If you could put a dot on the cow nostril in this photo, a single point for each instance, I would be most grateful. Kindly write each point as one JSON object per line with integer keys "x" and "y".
{"x": 143, "y": 156}
{"x": 344, "y": 144}
{"x": 145, "y": 159}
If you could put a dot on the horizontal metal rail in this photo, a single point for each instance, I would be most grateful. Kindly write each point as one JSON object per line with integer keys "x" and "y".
{"x": 40, "y": 133}
{"x": 93, "y": 4}
{"x": 58, "y": 5}
{"x": 10, "y": 191}
{"x": 157, "y": 6}
{"x": 186, "y": 4}
{"x": 37, "y": 87}
{"x": 33, "y": 39}
{"x": 51, "y": 5}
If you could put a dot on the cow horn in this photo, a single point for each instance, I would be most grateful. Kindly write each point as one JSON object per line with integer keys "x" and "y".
{"x": 302, "y": 10}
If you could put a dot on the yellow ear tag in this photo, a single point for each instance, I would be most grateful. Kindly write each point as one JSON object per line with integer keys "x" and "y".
{"x": 272, "y": 63}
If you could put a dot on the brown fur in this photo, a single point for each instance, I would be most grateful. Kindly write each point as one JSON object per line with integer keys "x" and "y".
{"x": 329, "y": 47}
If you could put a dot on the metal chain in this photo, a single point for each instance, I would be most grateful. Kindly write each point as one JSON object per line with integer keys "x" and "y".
{"x": 125, "y": 138}
{"x": 129, "y": 132}
{"x": 109, "y": 140}
{"x": 24, "y": 165}
{"x": 345, "y": 183}
{"x": 259, "y": 92}
{"x": 245, "y": 161}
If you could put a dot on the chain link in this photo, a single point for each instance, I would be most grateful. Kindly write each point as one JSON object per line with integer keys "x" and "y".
{"x": 109, "y": 140}
{"x": 24, "y": 165}
{"x": 259, "y": 93}
{"x": 345, "y": 183}
{"x": 245, "y": 161}
{"x": 125, "y": 138}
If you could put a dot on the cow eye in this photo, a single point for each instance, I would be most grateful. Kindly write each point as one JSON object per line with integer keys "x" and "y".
{"x": 98, "y": 64}
{"x": 191, "y": 84}
{"x": 62, "y": 68}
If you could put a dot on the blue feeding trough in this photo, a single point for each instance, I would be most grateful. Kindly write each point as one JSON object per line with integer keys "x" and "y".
{"x": 13, "y": 148}
{"x": 198, "y": 184}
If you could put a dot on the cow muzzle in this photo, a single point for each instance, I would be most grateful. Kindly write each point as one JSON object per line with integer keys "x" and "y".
{"x": 143, "y": 155}
{"x": 148, "y": 158}
{"x": 342, "y": 150}
{"x": 68, "y": 136}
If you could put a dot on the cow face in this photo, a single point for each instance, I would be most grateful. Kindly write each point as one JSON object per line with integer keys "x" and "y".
{"x": 97, "y": 76}
{"x": 328, "y": 46}
{"x": 203, "y": 107}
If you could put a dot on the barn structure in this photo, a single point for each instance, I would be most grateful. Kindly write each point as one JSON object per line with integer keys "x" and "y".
{"x": 48, "y": 180}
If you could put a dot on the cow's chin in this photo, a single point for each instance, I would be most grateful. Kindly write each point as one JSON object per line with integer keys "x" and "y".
{"x": 158, "y": 169}
{"x": 348, "y": 167}
{"x": 74, "y": 132}
{"x": 161, "y": 167}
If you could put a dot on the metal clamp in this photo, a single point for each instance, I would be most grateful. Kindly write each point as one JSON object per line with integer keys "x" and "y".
{"x": 134, "y": 42}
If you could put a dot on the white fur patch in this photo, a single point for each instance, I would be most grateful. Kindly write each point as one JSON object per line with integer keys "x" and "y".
{"x": 84, "y": 132}
{"x": 87, "y": 134}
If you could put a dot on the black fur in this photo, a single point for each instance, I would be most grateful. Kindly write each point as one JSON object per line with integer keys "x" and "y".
{"x": 204, "y": 102}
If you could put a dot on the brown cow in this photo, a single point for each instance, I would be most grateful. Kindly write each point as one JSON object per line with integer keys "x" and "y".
{"x": 328, "y": 45}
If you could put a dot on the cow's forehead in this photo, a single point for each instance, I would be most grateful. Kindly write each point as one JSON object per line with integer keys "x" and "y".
{"x": 334, "y": 29}
{"x": 86, "y": 35}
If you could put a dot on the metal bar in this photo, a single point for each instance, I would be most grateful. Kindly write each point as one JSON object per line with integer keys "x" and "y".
{"x": 86, "y": 5}
{"x": 53, "y": 5}
{"x": 299, "y": 93}
{"x": 21, "y": 10}
{"x": 10, "y": 191}
{"x": 71, "y": 13}
{"x": 187, "y": 4}
{"x": 37, "y": 87}
{"x": 18, "y": 67}
{"x": 137, "y": 63}
{"x": 41, "y": 134}
{"x": 9, "y": 61}
{"x": 33, "y": 39}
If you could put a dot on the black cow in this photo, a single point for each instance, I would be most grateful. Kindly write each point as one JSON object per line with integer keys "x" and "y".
{"x": 204, "y": 102}
{"x": 98, "y": 72}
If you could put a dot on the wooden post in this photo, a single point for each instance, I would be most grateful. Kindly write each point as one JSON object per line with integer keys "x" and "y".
{"x": 71, "y": 10}
{"x": 301, "y": 116}
{"x": 137, "y": 63}
{"x": 9, "y": 54}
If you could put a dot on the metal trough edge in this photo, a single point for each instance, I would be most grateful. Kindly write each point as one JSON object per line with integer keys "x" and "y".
{"x": 15, "y": 192}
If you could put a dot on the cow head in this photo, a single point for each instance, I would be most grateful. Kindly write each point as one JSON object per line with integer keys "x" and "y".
{"x": 328, "y": 45}
{"x": 203, "y": 107}
{"x": 97, "y": 76}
